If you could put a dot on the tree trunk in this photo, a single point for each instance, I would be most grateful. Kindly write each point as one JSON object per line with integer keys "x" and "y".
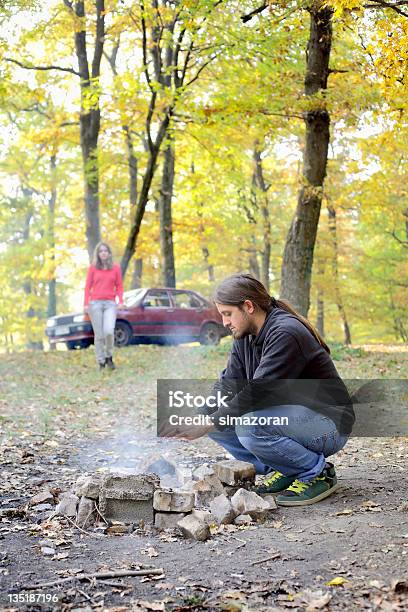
{"x": 320, "y": 299}
{"x": 132, "y": 167}
{"x": 253, "y": 260}
{"x": 165, "y": 217}
{"x": 335, "y": 268}
{"x": 210, "y": 267}
{"x": 171, "y": 67}
{"x": 401, "y": 332}
{"x": 144, "y": 194}
{"x": 259, "y": 182}
{"x": 204, "y": 248}
{"x": 52, "y": 283}
{"x": 137, "y": 273}
{"x": 320, "y": 312}
{"x": 298, "y": 254}
{"x": 90, "y": 118}
{"x": 31, "y": 343}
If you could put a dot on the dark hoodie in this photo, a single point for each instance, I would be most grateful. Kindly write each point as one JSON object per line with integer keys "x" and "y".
{"x": 283, "y": 364}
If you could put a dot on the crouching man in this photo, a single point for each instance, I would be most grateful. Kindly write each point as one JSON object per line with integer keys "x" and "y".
{"x": 280, "y": 376}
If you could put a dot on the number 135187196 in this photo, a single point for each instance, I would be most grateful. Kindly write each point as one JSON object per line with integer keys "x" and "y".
{"x": 32, "y": 597}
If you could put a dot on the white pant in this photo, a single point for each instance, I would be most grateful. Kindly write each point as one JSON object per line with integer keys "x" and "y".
{"x": 103, "y": 318}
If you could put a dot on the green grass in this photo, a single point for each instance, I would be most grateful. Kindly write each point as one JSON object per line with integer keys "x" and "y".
{"x": 62, "y": 393}
{"x": 340, "y": 351}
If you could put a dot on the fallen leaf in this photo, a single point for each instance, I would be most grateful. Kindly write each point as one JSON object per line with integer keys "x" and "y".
{"x": 291, "y": 537}
{"x": 234, "y": 595}
{"x": 152, "y": 552}
{"x": 60, "y": 556}
{"x": 315, "y": 600}
{"x": 152, "y": 578}
{"x": 117, "y": 529}
{"x": 369, "y": 504}
{"x": 149, "y": 605}
{"x": 337, "y": 581}
{"x": 167, "y": 537}
{"x": 51, "y": 443}
{"x": 376, "y": 584}
{"x": 344, "y": 512}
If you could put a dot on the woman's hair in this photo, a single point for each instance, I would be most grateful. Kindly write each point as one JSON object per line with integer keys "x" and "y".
{"x": 235, "y": 289}
{"x": 97, "y": 260}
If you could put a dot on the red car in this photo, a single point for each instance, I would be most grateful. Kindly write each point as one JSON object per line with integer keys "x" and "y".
{"x": 150, "y": 315}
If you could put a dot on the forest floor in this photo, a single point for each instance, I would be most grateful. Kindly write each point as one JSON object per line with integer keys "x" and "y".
{"x": 60, "y": 418}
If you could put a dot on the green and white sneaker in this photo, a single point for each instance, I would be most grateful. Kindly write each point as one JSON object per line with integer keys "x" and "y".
{"x": 305, "y": 493}
{"x": 275, "y": 483}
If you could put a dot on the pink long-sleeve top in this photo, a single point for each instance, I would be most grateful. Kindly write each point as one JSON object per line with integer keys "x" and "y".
{"x": 103, "y": 284}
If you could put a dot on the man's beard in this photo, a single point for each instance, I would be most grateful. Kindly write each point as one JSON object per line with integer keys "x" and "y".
{"x": 249, "y": 330}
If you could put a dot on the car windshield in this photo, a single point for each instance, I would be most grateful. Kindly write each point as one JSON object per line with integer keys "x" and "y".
{"x": 130, "y": 298}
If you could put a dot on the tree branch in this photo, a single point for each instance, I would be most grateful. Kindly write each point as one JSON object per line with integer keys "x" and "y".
{"x": 144, "y": 45}
{"x": 155, "y": 50}
{"x": 178, "y": 80}
{"x": 149, "y": 120}
{"x": 404, "y": 243}
{"x": 99, "y": 38}
{"x": 394, "y": 6}
{"x": 112, "y": 57}
{"x": 28, "y": 67}
{"x": 199, "y": 71}
{"x": 256, "y": 11}
{"x": 80, "y": 46}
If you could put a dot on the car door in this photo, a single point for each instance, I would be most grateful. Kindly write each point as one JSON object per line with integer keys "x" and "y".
{"x": 188, "y": 313}
{"x": 155, "y": 314}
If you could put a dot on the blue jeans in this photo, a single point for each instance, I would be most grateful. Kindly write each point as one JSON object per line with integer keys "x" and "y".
{"x": 298, "y": 448}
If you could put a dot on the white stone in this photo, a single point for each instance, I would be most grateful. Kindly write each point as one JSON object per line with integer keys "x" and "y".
{"x": 222, "y": 510}
{"x": 203, "y": 515}
{"x": 183, "y": 474}
{"x": 204, "y": 470}
{"x": 248, "y": 502}
{"x": 192, "y": 527}
{"x": 270, "y": 499}
{"x": 173, "y": 501}
{"x": 206, "y": 489}
{"x": 232, "y": 471}
{"x": 88, "y": 486}
{"x": 41, "y": 498}
{"x": 67, "y": 505}
{"x": 167, "y": 520}
{"x": 85, "y": 516}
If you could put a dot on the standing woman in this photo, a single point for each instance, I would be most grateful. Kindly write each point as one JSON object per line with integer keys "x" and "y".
{"x": 103, "y": 286}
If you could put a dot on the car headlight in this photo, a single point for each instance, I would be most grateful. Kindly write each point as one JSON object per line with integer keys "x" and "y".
{"x": 79, "y": 318}
{"x": 51, "y": 323}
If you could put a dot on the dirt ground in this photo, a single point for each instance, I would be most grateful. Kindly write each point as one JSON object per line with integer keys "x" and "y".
{"x": 348, "y": 552}
{"x": 358, "y": 537}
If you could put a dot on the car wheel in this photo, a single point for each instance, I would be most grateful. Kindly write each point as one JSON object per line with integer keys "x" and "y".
{"x": 123, "y": 334}
{"x": 210, "y": 334}
{"x": 84, "y": 344}
{"x": 71, "y": 345}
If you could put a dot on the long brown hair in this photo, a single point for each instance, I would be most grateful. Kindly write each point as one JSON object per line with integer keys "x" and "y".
{"x": 235, "y": 289}
{"x": 97, "y": 260}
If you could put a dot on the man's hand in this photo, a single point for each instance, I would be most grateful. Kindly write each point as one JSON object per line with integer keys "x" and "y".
{"x": 185, "y": 432}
